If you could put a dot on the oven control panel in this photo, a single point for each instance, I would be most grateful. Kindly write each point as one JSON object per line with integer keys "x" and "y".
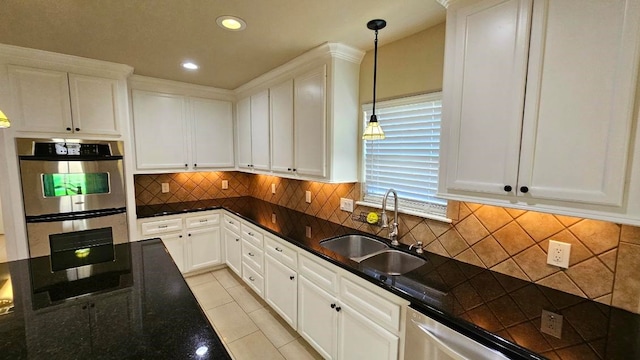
{"x": 71, "y": 149}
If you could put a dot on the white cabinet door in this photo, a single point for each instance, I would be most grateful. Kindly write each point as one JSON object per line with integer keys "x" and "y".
{"x": 175, "y": 246}
{"x": 160, "y": 130}
{"x": 94, "y": 105}
{"x": 361, "y": 338}
{"x": 581, "y": 85}
{"x": 281, "y": 290}
{"x": 233, "y": 251}
{"x": 485, "y": 100}
{"x": 203, "y": 248}
{"x": 281, "y": 101}
{"x": 260, "y": 131}
{"x": 243, "y": 119}
{"x": 212, "y": 133}
{"x": 317, "y": 318}
{"x": 310, "y": 133}
{"x": 40, "y": 100}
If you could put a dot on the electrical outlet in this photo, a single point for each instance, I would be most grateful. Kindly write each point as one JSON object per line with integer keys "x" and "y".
{"x": 346, "y": 204}
{"x": 558, "y": 254}
{"x": 273, "y": 188}
{"x": 307, "y": 196}
{"x": 308, "y": 231}
{"x": 165, "y": 188}
{"x": 551, "y": 323}
{"x": 273, "y": 218}
{"x": 225, "y": 184}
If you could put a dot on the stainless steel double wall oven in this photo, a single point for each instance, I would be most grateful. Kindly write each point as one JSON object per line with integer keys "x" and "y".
{"x": 74, "y": 199}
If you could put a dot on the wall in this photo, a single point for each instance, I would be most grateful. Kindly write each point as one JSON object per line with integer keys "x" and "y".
{"x": 400, "y": 61}
{"x": 604, "y": 256}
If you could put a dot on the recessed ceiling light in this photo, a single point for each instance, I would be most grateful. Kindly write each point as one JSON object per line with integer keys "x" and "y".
{"x": 189, "y": 65}
{"x": 231, "y": 23}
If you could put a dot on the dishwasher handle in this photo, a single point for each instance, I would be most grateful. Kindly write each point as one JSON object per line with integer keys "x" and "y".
{"x": 439, "y": 342}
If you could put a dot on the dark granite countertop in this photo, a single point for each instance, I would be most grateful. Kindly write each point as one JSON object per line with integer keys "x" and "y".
{"x": 136, "y": 307}
{"x": 495, "y": 309}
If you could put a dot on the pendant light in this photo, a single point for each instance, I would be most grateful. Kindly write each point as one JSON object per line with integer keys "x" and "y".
{"x": 373, "y": 130}
{"x": 4, "y": 121}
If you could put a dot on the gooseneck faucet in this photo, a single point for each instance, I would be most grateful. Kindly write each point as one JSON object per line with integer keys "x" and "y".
{"x": 393, "y": 229}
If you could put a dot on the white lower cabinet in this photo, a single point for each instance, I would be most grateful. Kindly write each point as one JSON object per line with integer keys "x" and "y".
{"x": 232, "y": 243}
{"x": 193, "y": 241}
{"x": 281, "y": 290}
{"x": 361, "y": 338}
{"x": 318, "y": 318}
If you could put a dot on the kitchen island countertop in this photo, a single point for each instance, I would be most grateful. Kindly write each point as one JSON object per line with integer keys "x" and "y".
{"x": 495, "y": 309}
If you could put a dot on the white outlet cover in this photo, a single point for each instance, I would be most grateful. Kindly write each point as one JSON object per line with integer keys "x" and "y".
{"x": 165, "y": 188}
{"x": 225, "y": 184}
{"x": 308, "y": 231}
{"x": 346, "y": 204}
{"x": 273, "y": 188}
{"x": 551, "y": 323}
{"x": 558, "y": 254}
{"x": 307, "y": 196}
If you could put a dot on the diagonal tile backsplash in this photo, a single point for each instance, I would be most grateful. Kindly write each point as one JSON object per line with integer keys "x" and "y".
{"x": 604, "y": 256}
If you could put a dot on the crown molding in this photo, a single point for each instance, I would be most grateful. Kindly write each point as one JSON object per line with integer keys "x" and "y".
{"x": 334, "y": 50}
{"x": 34, "y": 57}
{"x": 140, "y": 82}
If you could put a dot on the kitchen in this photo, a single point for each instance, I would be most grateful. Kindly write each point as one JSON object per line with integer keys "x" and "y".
{"x": 482, "y": 236}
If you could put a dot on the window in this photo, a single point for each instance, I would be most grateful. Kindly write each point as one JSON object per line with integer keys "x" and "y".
{"x": 407, "y": 159}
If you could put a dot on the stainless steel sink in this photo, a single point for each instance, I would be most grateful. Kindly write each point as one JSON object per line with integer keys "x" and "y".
{"x": 354, "y": 247}
{"x": 393, "y": 262}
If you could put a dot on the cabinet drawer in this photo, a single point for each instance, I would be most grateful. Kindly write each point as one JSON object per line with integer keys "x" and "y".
{"x": 253, "y": 279}
{"x": 161, "y": 227}
{"x": 231, "y": 223}
{"x": 202, "y": 221}
{"x": 371, "y": 305}
{"x": 318, "y": 273}
{"x": 252, "y": 235}
{"x": 252, "y": 256}
{"x": 286, "y": 254}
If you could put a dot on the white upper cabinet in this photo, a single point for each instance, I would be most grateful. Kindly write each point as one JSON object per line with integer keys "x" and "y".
{"x": 310, "y": 135}
{"x": 181, "y": 127}
{"x": 313, "y": 113}
{"x": 49, "y": 101}
{"x": 281, "y": 106}
{"x": 160, "y": 130}
{"x": 212, "y": 133}
{"x": 243, "y": 120}
{"x": 260, "y": 158}
{"x": 539, "y": 103}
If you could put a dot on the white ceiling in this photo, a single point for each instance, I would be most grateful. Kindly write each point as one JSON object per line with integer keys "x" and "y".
{"x": 156, "y": 36}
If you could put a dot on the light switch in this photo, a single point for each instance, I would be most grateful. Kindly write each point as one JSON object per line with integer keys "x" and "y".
{"x": 273, "y": 188}
{"x": 165, "y": 188}
{"x": 307, "y": 196}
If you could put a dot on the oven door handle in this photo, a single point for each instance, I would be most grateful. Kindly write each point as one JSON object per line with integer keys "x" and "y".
{"x": 75, "y": 215}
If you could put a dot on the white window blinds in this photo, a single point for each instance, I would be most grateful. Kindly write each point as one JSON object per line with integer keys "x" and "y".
{"x": 407, "y": 159}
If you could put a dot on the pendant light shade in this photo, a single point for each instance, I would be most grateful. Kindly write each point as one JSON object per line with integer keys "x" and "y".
{"x": 4, "y": 121}
{"x": 373, "y": 130}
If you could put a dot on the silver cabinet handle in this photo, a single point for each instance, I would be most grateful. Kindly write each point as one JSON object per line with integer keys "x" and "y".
{"x": 278, "y": 249}
{"x": 251, "y": 254}
{"x": 163, "y": 226}
{"x": 204, "y": 220}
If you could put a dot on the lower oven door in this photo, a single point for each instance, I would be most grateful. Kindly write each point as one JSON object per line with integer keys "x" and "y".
{"x": 58, "y": 233}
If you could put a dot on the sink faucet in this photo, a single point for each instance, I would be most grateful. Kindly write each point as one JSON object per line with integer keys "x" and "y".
{"x": 393, "y": 229}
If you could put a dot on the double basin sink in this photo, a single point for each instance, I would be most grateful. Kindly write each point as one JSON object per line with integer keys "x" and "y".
{"x": 374, "y": 254}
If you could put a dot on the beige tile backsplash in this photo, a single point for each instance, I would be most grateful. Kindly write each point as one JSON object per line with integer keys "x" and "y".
{"x": 604, "y": 262}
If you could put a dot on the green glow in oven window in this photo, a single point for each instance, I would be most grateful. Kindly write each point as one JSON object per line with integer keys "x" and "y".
{"x": 75, "y": 184}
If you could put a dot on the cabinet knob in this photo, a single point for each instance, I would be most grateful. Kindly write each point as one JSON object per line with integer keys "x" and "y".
{"x": 186, "y": 165}
{"x": 77, "y": 129}
{"x": 278, "y": 249}
{"x": 68, "y": 129}
{"x": 295, "y": 169}
{"x": 250, "y": 234}
{"x": 338, "y": 309}
{"x": 333, "y": 306}
{"x": 288, "y": 169}
{"x": 195, "y": 165}
{"x": 250, "y": 254}
{"x": 189, "y": 234}
{"x": 508, "y": 188}
{"x": 231, "y": 222}
{"x": 237, "y": 239}
{"x": 251, "y": 278}
{"x": 524, "y": 189}
{"x": 93, "y": 305}
{"x": 84, "y": 307}
{"x": 180, "y": 236}
{"x": 291, "y": 277}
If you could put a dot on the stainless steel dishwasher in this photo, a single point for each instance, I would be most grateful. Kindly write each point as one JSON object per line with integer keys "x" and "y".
{"x": 428, "y": 339}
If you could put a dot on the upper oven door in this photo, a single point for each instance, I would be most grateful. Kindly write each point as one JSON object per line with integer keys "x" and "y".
{"x": 54, "y": 187}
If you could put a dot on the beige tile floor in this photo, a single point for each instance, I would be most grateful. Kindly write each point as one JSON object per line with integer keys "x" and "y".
{"x": 249, "y": 328}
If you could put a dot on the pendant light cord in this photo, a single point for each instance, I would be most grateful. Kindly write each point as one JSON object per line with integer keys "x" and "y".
{"x": 375, "y": 68}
